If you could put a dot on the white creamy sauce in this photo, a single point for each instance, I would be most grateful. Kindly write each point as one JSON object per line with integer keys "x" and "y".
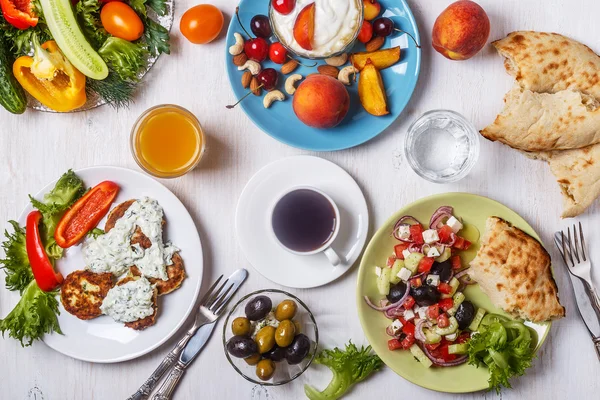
{"x": 336, "y": 23}
{"x": 268, "y": 320}
{"x": 129, "y": 302}
{"x": 113, "y": 252}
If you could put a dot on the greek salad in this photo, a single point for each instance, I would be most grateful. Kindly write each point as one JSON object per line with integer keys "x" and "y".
{"x": 423, "y": 284}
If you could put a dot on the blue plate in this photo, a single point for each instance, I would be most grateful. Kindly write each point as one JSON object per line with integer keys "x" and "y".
{"x": 280, "y": 122}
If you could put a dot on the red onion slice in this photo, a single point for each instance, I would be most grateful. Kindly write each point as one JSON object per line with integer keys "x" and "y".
{"x": 419, "y": 334}
{"x": 462, "y": 273}
{"x": 440, "y": 362}
{"x": 394, "y": 312}
{"x": 402, "y": 221}
{"x": 439, "y": 215}
{"x": 393, "y": 305}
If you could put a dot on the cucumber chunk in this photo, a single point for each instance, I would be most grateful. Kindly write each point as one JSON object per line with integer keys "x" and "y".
{"x": 383, "y": 281}
{"x": 453, "y": 327}
{"x": 412, "y": 261}
{"x": 69, "y": 38}
{"x": 431, "y": 337}
{"x": 477, "y": 319}
{"x": 458, "y": 299}
{"x": 461, "y": 348}
{"x": 420, "y": 356}
{"x": 444, "y": 256}
{"x": 398, "y": 265}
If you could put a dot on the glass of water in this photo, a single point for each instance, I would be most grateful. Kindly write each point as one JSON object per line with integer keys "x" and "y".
{"x": 441, "y": 146}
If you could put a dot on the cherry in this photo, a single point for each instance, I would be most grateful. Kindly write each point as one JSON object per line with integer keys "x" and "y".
{"x": 366, "y": 32}
{"x": 277, "y": 53}
{"x": 256, "y": 49}
{"x": 260, "y": 26}
{"x": 383, "y": 26}
{"x": 268, "y": 78}
{"x": 284, "y": 6}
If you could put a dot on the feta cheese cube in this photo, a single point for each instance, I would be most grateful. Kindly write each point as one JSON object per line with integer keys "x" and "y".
{"x": 454, "y": 224}
{"x": 433, "y": 280}
{"x": 378, "y": 271}
{"x": 452, "y": 337}
{"x": 404, "y": 274}
{"x": 409, "y": 314}
{"x": 433, "y": 252}
{"x": 404, "y": 232}
{"x": 405, "y": 253}
{"x": 430, "y": 236}
{"x": 422, "y": 312}
{"x": 396, "y": 326}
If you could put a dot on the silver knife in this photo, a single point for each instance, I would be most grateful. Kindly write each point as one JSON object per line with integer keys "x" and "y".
{"x": 199, "y": 339}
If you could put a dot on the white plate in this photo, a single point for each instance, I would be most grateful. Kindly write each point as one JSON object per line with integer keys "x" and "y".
{"x": 256, "y": 239}
{"x": 102, "y": 339}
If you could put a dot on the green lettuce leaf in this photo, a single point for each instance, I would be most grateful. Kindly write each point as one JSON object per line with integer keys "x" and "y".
{"x": 16, "y": 264}
{"x": 125, "y": 58}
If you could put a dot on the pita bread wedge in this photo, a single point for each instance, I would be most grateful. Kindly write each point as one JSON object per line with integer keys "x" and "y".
{"x": 546, "y": 121}
{"x": 513, "y": 270}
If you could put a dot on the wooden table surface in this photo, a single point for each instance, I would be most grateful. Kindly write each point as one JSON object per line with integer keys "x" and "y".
{"x": 36, "y": 148}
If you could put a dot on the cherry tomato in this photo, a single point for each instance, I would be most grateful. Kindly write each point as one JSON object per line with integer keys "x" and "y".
{"x": 121, "y": 21}
{"x": 201, "y": 24}
{"x": 277, "y": 53}
{"x": 284, "y": 6}
{"x": 366, "y": 32}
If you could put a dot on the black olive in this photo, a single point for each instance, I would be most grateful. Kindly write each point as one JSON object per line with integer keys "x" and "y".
{"x": 241, "y": 346}
{"x": 276, "y": 354}
{"x": 258, "y": 308}
{"x": 298, "y": 350}
{"x": 465, "y": 314}
{"x": 425, "y": 295}
{"x": 396, "y": 292}
{"x": 443, "y": 269}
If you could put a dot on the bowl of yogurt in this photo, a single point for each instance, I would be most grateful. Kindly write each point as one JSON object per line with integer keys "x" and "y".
{"x": 337, "y": 24}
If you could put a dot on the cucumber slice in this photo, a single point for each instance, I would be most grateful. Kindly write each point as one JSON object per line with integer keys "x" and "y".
{"x": 477, "y": 319}
{"x": 453, "y": 327}
{"x": 383, "y": 281}
{"x": 420, "y": 356}
{"x": 458, "y": 299}
{"x": 398, "y": 265}
{"x": 454, "y": 284}
{"x": 412, "y": 261}
{"x": 445, "y": 255}
{"x": 461, "y": 348}
{"x": 67, "y": 34}
{"x": 431, "y": 337}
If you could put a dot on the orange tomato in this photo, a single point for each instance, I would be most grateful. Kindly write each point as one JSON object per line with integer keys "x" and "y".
{"x": 201, "y": 24}
{"x": 121, "y": 21}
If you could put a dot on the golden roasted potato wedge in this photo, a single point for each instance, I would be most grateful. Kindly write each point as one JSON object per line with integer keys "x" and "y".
{"x": 371, "y": 90}
{"x": 380, "y": 58}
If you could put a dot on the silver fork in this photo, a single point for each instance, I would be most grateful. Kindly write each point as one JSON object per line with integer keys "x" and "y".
{"x": 211, "y": 306}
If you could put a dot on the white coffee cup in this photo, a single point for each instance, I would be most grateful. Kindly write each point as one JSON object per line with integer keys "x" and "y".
{"x": 326, "y": 249}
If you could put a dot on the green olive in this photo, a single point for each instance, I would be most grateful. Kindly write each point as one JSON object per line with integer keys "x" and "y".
{"x": 286, "y": 310}
{"x": 265, "y": 339}
{"x": 241, "y": 326}
{"x": 285, "y": 332}
{"x": 253, "y": 359}
{"x": 265, "y": 369}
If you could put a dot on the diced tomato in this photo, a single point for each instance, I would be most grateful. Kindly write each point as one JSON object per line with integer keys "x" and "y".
{"x": 391, "y": 261}
{"x": 444, "y": 288}
{"x": 446, "y": 304}
{"x": 408, "y": 341}
{"x": 432, "y": 346}
{"x": 416, "y": 282}
{"x": 445, "y": 233}
{"x": 394, "y": 344}
{"x": 442, "y": 351}
{"x": 399, "y": 248}
{"x": 463, "y": 337}
{"x": 416, "y": 233}
{"x": 461, "y": 243}
{"x": 409, "y": 303}
{"x": 456, "y": 262}
{"x": 433, "y": 311}
{"x": 408, "y": 328}
{"x": 425, "y": 264}
{"x": 443, "y": 321}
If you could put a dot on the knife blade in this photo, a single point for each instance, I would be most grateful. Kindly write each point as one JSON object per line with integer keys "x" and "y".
{"x": 199, "y": 339}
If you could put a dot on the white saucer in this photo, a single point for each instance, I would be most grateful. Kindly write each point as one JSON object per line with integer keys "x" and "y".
{"x": 252, "y": 221}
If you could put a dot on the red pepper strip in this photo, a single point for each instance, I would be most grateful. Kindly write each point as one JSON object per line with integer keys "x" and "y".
{"x": 85, "y": 214}
{"x": 18, "y": 13}
{"x": 46, "y": 278}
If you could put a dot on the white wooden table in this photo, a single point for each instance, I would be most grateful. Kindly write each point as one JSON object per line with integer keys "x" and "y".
{"x": 35, "y": 148}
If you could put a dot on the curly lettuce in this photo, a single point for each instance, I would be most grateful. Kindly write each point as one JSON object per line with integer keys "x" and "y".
{"x": 16, "y": 263}
{"x": 125, "y": 58}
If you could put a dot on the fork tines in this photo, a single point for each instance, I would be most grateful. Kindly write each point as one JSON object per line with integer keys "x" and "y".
{"x": 569, "y": 247}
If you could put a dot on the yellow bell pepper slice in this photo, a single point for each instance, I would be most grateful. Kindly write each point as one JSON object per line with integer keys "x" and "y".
{"x": 51, "y": 78}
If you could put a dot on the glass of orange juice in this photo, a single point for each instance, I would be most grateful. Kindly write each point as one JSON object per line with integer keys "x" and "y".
{"x": 167, "y": 141}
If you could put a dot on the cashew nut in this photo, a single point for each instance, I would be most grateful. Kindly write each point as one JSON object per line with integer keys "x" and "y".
{"x": 337, "y": 61}
{"x": 290, "y": 83}
{"x": 238, "y": 47}
{"x": 344, "y": 75}
{"x": 272, "y": 96}
{"x": 251, "y": 66}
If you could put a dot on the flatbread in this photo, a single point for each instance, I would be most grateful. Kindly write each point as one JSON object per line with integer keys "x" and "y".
{"x": 513, "y": 270}
{"x": 546, "y": 121}
{"x": 548, "y": 62}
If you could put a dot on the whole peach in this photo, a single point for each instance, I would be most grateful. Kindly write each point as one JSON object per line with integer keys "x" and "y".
{"x": 461, "y": 30}
{"x": 321, "y": 101}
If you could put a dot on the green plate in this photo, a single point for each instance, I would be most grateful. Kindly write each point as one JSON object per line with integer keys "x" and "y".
{"x": 474, "y": 211}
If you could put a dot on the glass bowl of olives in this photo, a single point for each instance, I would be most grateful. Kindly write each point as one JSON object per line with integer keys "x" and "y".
{"x": 270, "y": 337}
